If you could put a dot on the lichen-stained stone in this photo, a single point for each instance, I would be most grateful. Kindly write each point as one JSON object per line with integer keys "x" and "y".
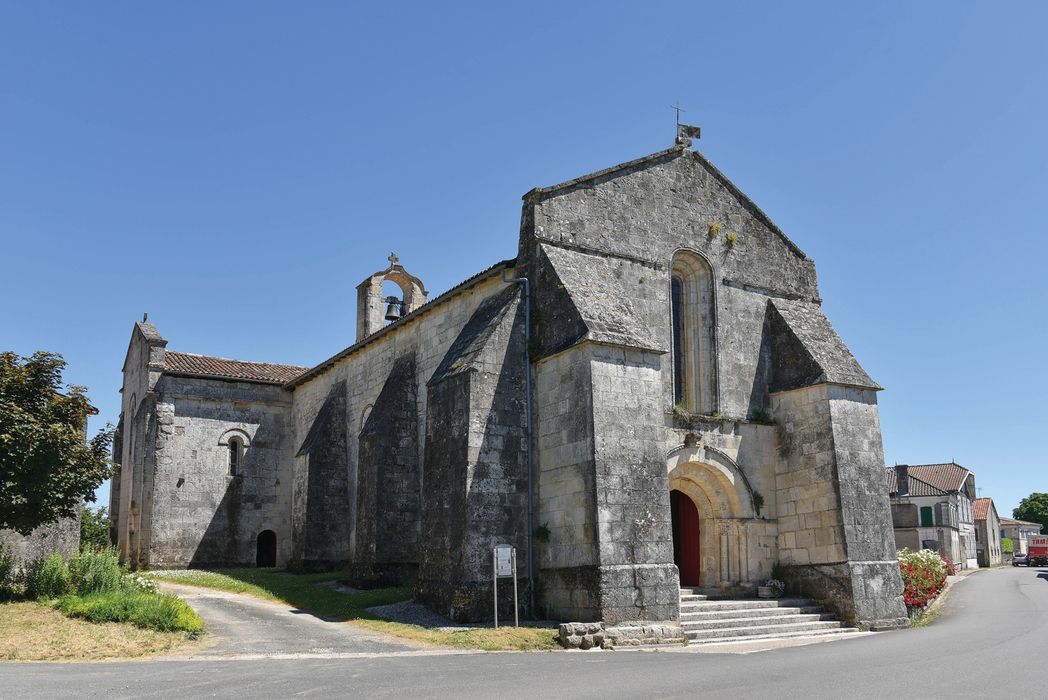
{"x": 407, "y": 452}
{"x": 326, "y": 529}
{"x": 475, "y": 469}
{"x": 388, "y": 480}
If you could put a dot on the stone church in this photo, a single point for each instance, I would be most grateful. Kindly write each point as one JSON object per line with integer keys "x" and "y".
{"x": 647, "y": 396}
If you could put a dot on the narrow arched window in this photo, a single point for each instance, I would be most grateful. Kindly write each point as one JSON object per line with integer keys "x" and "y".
{"x": 693, "y": 320}
{"x": 235, "y": 453}
{"x": 676, "y": 299}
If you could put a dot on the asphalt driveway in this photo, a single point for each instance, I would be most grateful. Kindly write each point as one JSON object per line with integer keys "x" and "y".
{"x": 990, "y": 640}
{"x": 244, "y": 626}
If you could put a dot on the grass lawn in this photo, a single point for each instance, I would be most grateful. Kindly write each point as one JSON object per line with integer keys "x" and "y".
{"x": 303, "y": 592}
{"x": 33, "y": 632}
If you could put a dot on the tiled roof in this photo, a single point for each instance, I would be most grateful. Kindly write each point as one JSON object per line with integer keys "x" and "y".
{"x": 916, "y": 486}
{"x": 981, "y": 507}
{"x": 1013, "y": 521}
{"x": 204, "y": 365}
{"x": 947, "y": 477}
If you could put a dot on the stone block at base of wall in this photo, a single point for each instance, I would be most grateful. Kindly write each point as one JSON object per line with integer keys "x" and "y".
{"x": 472, "y": 601}
{"x": 597, "y": 635}
{"x": 612, "y": 594}
{"x": 861, "y": 594}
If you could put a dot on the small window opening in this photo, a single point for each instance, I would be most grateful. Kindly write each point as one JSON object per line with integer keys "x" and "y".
{"x": 234, "y": 456}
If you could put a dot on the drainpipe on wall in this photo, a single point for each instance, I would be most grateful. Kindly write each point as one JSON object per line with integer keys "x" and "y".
{"x": 527, "y": 398}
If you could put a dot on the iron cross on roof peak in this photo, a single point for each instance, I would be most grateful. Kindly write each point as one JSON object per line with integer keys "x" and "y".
{"x": 393, "y": 259}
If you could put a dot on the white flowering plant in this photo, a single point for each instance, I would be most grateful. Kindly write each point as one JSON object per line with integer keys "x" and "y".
{"x": 138, "y": 582}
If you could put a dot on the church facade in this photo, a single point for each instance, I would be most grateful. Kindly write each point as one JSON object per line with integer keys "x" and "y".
{"x": 647, "y": 396}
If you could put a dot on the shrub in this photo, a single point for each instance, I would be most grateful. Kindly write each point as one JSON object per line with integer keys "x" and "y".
{"x": 155, "y": 611}
{"x": 7, "y": 572}
{"x": 1007, "y": 546}
{"x": 95, "y": 571}
{"x": 923, "y": 576}
{"x": 47, "y": 577}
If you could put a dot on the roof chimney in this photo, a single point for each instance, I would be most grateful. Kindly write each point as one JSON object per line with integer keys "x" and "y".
{"x": 902, "y": 479}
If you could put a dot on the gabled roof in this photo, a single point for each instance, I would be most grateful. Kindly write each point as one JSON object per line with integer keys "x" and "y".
{"x": 981, "y": 508}
{"x": 947, "y": 477}
{"x": 675, "y": 151}
{"x": 916, "y": 486}
{"x": 193, "y": 365}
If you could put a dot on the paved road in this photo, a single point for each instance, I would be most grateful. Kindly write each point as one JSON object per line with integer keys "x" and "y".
{"x": 994, "y": 623}
{"x": 242, "y": 625}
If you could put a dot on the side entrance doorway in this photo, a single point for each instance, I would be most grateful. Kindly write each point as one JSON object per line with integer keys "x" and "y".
{"x": 266, "y": 549}
{"x": 686, "y": 546}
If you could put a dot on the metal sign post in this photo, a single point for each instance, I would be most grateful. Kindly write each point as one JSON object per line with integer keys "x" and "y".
{"x": 504, "y": 564}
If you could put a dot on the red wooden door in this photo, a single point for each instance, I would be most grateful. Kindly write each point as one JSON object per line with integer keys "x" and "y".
{"x": 685, "y": 537}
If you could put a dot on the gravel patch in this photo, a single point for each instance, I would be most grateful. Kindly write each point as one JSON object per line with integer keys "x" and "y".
{"x": 338, "y": 587}
{"x": 411, "y": 613}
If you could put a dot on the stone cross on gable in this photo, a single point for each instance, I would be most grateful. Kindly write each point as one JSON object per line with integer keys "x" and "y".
{"x": 393, "y": 259}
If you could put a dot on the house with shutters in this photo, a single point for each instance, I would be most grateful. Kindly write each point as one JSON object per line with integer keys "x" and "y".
{"x": 932, "y": 509}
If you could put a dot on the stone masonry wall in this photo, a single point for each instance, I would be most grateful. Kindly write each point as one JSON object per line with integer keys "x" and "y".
{"x": 565, "y": 491}
{"x": 629, "y": 223}
{"x": 835, "y": 533}
{"x": 388, "y": 497}
{"x": 200, "y": 515}
{"x": 62, "y": 537}
{"x": 635, "y": 554}
{"x": 427, "y": 336}
{"x": 476, "y": 464}
{"x": 326, "y": 505}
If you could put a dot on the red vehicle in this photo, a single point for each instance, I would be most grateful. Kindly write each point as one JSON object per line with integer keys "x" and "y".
{"x": 1038, "y": 551}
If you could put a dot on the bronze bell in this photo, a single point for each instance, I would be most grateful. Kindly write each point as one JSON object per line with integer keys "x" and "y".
{"x": 392, "y": 309}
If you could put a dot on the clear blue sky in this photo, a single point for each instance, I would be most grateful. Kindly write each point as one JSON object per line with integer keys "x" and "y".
{"x": 236, "y": 168}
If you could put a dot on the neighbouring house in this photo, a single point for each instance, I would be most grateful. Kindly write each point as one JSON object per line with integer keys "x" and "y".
{"x": 678, "y": 410}
{"x": 987, "y": 532}
{"x": 1019, "y": 532}
{"x": 932, "y": 509}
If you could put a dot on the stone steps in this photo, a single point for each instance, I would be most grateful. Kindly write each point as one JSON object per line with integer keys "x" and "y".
{"x": 722, "y": 633}
{"x": 747, "y": 612}
{"x": 767, "y": 622}
{"x": 705, "y": 620}
{"x": 843, "y": 631}
{"x": 730, "y": 604}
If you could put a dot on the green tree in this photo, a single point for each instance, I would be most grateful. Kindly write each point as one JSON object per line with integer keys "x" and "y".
{"x": 1007, "y": 546}
{"x": 94, "y": 529}
{"x": 48, "y": 467}
{"x": 1034, "y": 509}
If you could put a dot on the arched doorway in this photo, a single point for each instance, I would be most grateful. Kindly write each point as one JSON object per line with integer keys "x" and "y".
{"x": 266, "y": 549}
{"x": 713, "y": 485}
{"x": 686, "y": 540}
